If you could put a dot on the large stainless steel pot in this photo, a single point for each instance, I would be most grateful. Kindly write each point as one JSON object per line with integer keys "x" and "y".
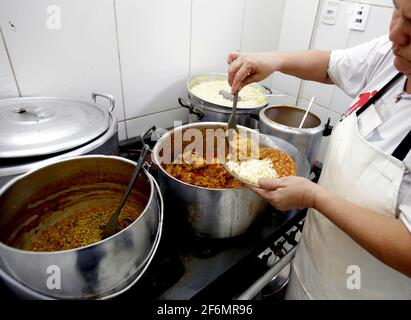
{"x": 100, "y": 270}
{"x": 201, "y": 110}
{"x": 282, "y": 121}
{"x": 217, "y": 213}
{"x": 20, "y": 151}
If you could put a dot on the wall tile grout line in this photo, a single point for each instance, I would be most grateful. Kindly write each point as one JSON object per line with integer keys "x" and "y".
{"x": 119, "y": 64}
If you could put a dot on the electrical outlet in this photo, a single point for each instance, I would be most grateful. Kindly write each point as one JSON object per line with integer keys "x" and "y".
{"x": 358, "y": 16}
{"x": 330, "y": 11}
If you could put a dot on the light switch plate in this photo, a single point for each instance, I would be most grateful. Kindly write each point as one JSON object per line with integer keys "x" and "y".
{"x": 358, "y": 16}
{"x": 330, "y": 12}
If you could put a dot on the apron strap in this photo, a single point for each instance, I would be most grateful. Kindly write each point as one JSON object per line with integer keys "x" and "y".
{"x": 380, "y": 93}
{"x": 403, "y": 148}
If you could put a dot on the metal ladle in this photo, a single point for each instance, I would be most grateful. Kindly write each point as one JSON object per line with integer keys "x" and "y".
{"x": 229, "y": 96}
{"x": 111, "y": 226}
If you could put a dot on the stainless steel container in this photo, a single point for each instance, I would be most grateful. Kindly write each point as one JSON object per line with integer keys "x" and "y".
{"x": 217, "y": 213}
{"x": 201, "y": 110}
{"x": 100, "y": 270}
{"x": 282, "y": 121}
{"x": 40, "y": 130}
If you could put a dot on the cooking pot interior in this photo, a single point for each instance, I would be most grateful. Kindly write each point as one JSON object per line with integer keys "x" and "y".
{"x": 65, "y": 191}
{"x": 211, "y": 146}
{"x": 291, "y": 116}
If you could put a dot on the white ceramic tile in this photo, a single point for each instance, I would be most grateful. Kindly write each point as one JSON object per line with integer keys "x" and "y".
{"x": 298, "y": 23}
{"x": 8, "y": 88}
{"x": 329, "y": 37}
{"x": 154, "y": 39}
{"x": 340, "y": 101}
{"x": 322, "y": 92}
{"x": 296, "y": 30}
{"x": 72, "y": 61}
{"x": 216, "y": 30}
{"x": 377, "y": 25}
{"x": 262, "y": 25}
{"x": 287, "y": 100}
{"x": 286, "y": 83}
{"x": 162, "y": 120}
{"x": 122, "y": 135}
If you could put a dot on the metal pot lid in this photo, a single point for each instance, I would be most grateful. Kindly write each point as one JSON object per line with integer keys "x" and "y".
{"x": 43, "y": 125}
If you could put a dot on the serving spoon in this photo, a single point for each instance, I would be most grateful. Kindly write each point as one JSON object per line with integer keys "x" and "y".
{"x": 111, "y": 226}
{"x": 229, "y": 96}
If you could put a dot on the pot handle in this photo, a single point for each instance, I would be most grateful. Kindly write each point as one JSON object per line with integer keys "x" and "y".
{"x": 110, "y": 98}
{"x": 255, "y": 116}
{"x": 328, "y": 128}
{"x": 268, "y": 89}
{"x": 185, "y": 104}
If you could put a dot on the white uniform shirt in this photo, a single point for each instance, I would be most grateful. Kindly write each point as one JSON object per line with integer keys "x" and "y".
{"x": 360, "y": 72}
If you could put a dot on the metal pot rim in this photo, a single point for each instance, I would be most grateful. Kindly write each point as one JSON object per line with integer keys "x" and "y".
{"x": 269, "y": 122}
{"x": 10, "y": 183}
{"x": 194, "y": 124}
{"x": 217, "y": 107}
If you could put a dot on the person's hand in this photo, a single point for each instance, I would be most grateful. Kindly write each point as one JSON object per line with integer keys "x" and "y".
{"x": 247, "y": 68}
{"x": 288, "y": 192}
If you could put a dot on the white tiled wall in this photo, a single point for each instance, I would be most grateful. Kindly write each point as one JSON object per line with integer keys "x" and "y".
{"x": 215, "y": 24}
{"x": 154, "y": 43}
{"x": 296, "y": 30}
{"x": 143, "y": 51}
{"x": 72, "y": 61}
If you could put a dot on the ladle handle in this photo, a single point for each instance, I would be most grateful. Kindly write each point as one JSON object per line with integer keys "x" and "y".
{"x": 111, "y": 227}
{"x": 136, "y": 171}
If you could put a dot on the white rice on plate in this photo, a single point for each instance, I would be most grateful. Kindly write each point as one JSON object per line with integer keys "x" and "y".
{"x": 252, "y": 170}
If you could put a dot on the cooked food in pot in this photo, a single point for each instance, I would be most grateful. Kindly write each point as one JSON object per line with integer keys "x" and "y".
{"x": 82, "y": 228}
{"x": 249, "y": 96}
{"x": 197, "y": 172}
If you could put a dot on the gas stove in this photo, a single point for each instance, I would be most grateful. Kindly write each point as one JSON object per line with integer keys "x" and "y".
{"x": 189, "y": 268}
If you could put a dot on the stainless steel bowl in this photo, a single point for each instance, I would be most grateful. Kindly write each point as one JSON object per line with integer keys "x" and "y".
{"x": 218, "y": 213}
{"x": 100, "y": 270}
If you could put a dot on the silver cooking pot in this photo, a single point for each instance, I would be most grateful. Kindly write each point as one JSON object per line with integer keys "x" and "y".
{"x": 201, "y": 110}
{"x": 282, "y": 121}
{"x": 100, "y": 270}
{"x": 217, "y": 213}
{"x": 37, "y": 131}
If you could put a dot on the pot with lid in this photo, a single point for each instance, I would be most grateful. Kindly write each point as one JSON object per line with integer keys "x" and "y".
{"x": 206, "y": 104}
{"x": 283, "y": 121}
{"x": 39, "y": 130}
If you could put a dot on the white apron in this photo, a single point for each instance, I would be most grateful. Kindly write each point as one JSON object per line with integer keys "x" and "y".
{"x": 328, "y": 263}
